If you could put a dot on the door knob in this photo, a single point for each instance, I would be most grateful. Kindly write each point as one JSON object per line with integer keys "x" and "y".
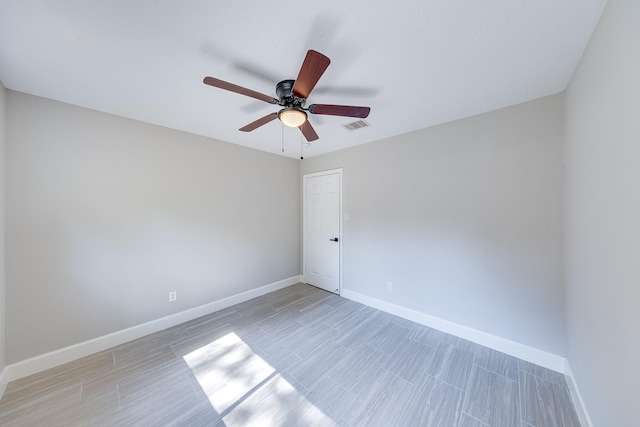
{"x": 335, "y": 239}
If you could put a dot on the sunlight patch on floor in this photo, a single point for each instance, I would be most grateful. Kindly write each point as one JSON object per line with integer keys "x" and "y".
{"x": 247, "y": 390}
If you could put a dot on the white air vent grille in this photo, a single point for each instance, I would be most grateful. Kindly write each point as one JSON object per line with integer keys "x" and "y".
{"x": 356, "y": 125}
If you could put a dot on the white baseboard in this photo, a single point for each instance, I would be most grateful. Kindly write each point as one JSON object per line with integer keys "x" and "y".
{"x": 581, "y": 409}
{"x": 55, "y": 358}
{"x": 512, "y": 348}
{"x": 3, "y": 381}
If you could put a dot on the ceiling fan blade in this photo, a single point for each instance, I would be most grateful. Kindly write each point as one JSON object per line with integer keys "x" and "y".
{"x": 261, "y": 121}
{"x": 239, "y": 89}
{"x": 308, "y": 131}
{"x": 340, "y": 110}
{"x": 312, "y": 69}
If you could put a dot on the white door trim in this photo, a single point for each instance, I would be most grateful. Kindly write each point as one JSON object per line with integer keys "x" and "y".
{"x": 304, "y": 220}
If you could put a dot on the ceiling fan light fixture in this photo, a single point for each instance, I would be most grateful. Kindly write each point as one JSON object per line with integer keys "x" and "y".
{"x": 292, "y": 117}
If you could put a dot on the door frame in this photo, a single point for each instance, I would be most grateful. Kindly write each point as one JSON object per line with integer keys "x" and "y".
{"x": 304, "y": 221}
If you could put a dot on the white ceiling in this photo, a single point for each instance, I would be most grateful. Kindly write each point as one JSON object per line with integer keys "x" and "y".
{"x": 416, "y": 63}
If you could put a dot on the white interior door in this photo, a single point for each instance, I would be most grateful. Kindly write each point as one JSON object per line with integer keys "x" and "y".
{"x": 322, "y": 238}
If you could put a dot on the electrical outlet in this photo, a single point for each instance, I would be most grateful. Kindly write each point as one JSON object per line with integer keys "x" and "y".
{"x": 172, "y": 296}
{"x": 390, "y": 286}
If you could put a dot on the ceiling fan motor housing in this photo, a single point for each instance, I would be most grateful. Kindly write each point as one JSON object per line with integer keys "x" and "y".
{"x": 287, "y": 98}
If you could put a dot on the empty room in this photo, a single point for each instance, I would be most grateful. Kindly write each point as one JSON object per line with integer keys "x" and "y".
{"x": 319, "y": 214}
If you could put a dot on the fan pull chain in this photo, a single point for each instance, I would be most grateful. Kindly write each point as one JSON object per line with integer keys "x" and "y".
{"x": 301, "y": 146}
{"x": 282, "y": 127}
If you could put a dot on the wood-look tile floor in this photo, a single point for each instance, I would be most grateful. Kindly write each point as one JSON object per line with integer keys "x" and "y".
{"x": 296, "y": 357}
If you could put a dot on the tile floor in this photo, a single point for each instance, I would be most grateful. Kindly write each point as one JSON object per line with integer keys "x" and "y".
{"x": 296, "y": 357}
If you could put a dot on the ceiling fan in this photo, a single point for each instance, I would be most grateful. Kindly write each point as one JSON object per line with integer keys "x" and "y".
{"x": 292, "y": 95}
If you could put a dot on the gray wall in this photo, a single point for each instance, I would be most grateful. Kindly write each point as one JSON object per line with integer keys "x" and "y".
{"x": 603, "y": 218}
{"x": 3, "y": 305}
{"x": 106, "y": 215}
{"x": 465, "y": 219}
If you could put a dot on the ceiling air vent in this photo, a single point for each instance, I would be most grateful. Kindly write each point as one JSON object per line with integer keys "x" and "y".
{"x": 356, "y": 125}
